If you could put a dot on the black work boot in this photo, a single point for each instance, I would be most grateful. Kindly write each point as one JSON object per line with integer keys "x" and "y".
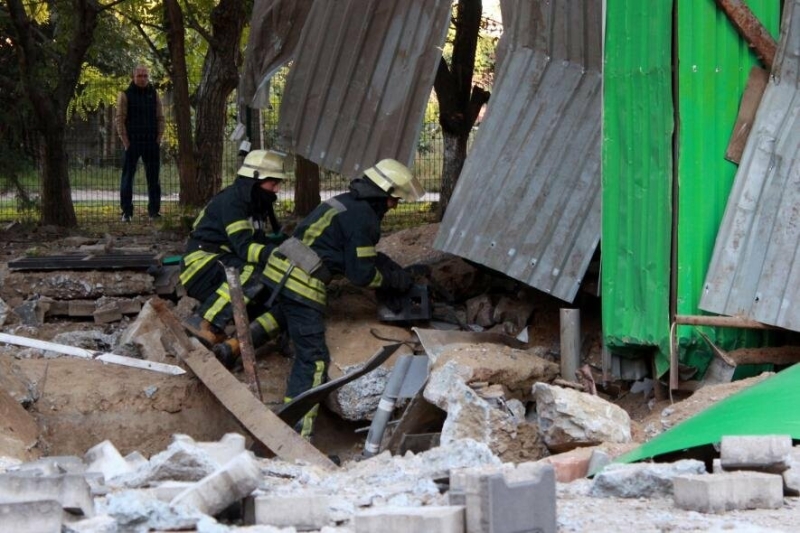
{"x": 203, "y": 330}
{"x": 228, "y": 352}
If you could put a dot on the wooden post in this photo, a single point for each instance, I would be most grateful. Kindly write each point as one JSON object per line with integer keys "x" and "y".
{"x": 242, "y": 322}
{"x": 263, "y": 424}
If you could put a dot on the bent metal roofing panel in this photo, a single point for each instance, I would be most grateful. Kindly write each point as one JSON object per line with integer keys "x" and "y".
{"x": 755, "y": 271}
{"x": 527, "y": 202}
{"x": 361, "y": 79}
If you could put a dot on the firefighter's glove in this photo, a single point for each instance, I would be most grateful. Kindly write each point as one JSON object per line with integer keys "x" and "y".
{"x": 398, "y": 281}
{"x": 276, "y": 238}
{"x": 384, "y": 263}
{"x": 391, "y": 299}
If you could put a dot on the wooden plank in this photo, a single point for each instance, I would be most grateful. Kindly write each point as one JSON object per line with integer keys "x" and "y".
{"x": 262, "y": 423}
{"x": 756, "y": 85}
{"x": 242, "y": 321}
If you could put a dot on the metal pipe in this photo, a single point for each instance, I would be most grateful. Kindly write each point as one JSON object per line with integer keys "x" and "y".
{"x": 386, "y": 406}
{"x": 570, "y": 320}
{"x": 720, "y": 321}
{"x": 748, "y": 25}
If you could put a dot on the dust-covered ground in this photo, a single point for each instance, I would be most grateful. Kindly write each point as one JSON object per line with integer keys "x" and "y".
{"x": 64, "y": 406}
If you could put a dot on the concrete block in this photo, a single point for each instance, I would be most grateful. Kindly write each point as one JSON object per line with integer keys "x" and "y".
{"x": 106, "y": 459}
{"x": 303, "y": 512}
{"x": 791, "y": 477}
{"x": 232, "y": 482}
{"x": 81, "y": 308}
{"x": 571, "y": 465}
{"x": 445, "y": 519}
{"x": 717, "y": 493}
{"x": 716, "y": 466}
{"x": 31, "y": 517}
{"x": 642, "y": 480}
{"x": 763, "y": 453}
{"x": 71, "y": 491}
{"x": 506, "y": 499}
{"x": 50, "y": 466}
{"x": 97, "y": 524}
{"x": 136, "y": 460}
{"x": 222, "y": 451}
{"x": 107, "y": 313}
{"x": 167, "y": 490}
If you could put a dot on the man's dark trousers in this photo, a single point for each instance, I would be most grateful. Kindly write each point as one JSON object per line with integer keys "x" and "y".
{"x": 151, "y": 157}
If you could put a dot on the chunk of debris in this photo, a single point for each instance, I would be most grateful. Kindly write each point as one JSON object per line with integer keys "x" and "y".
{"x": 569, "y": 419}
{"x": 642, "y": 480}
{"x": 729, "y": 491}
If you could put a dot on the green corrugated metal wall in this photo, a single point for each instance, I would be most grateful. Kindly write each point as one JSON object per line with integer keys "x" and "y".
{"x": 713, "y": 65}
{"x": 637, "y": 171}
{"x": 638, "y": 157}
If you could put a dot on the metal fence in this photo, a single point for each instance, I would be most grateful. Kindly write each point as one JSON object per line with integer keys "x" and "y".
{"x": 95, "y": 167}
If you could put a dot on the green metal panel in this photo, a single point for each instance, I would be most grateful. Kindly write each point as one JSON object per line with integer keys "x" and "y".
{"x": 713, "y": 65}
{"x": 637, "y": 172}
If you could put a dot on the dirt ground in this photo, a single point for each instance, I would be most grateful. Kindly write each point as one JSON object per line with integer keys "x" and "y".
{"x": 64, "y": 406}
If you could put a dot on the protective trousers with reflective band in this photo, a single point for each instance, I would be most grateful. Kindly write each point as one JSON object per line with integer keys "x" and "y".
{"x": 299, "y": 285}
{"x": 216, "y": 307}
{"x": 306, "y": 327}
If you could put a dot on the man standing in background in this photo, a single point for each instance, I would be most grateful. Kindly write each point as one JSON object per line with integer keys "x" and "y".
{"x": 140, "y": 125}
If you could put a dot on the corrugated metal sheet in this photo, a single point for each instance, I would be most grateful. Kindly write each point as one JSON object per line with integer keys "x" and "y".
{"x": 527, "y": 202}
{"x": 713, "y": 66}
{"x": 638, "y": 126}
{"x": 360, "y": 81}
{"x": 275, "y": 28}
{"x": 754, "y": 271}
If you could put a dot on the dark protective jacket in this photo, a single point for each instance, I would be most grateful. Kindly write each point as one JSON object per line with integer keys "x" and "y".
{"x": 232, "y": 223}
{"x": 343, "y": 231}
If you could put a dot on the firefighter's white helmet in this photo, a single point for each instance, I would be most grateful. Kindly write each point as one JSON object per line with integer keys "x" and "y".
{"x": 264, "y": 164}
{"x": 396, "y": 179}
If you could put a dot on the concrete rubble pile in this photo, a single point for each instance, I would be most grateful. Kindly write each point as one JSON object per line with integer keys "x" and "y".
{"x": 460, "y": 487}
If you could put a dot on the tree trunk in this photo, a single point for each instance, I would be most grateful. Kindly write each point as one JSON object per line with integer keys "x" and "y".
{"x": 220, "y": 77}
{"x": 459, "y": 102}
{"x": 306, "y": 188}
{"x": 50, "y": 99}
{"x": 187, "y": 165}
{"x": 455, "y": 152}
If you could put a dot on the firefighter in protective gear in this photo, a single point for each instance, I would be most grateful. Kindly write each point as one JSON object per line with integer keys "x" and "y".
{"x": 230, "y": 232}
{"x": 342, "y": 232}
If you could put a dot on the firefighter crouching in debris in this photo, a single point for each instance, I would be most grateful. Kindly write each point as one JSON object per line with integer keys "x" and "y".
{"x": 337, "y": 238}
{"x": 229, "y": 232}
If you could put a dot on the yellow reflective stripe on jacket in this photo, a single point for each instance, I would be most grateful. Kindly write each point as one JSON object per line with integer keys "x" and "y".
{"x": 377, "y": 281}
{"x": 239, "y": 225}
{"x": 269, "y": 324}
{"x": 316, "y": 229}
{"x": 366, "y": 251}
{"x": 254, "y": 252}
{"x": 223, "y": 298}
{"x": 298, "y": 282}
{"x": 200, "y": 216}
{"x": 194, "y": 262}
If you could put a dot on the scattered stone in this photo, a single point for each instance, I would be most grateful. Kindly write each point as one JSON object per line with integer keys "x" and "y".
{"x": 31, "y": 313}
{"x": 181, "y": 461}
{"x": 93, "y": 340}
{"x": 642, "y": 480}
{"x": 106, "y": 459}
{"x": 569, "y": 419}
{"x": 139, "y": 511}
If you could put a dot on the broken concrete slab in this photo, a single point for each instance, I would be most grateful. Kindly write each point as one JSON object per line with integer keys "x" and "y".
{"x": 228, "y": 484}
{"x": 469, "y": 415}
{"x": 96, "y": 524}
{"x": 729, "y": 491}
{"x": 53, "y": 465}
{"x": 791, "y": 476}
{"x": 138, "y": 510}
{"x": 642, "y": 480}
{"x": 221, "y": 451}
{"x": 4, "y": 310}
{"x": 31, "y": 313}
{"x": 181, "y": 461}
{"x": 147, "y": 333}
{"x": 569, "y": 419}
{"x": 77, "y": 285}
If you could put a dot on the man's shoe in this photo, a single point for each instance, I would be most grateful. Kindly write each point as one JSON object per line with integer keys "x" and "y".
{"x": 227, "y": 353}
{"x": 155, "y": 217}
{"x": 203, "y": 330}
{"x": 126, "y": 218}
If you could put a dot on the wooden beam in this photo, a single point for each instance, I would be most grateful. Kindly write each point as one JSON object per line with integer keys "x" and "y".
{"x": 240, "y": 318}
{"x": 263, "y": 424}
